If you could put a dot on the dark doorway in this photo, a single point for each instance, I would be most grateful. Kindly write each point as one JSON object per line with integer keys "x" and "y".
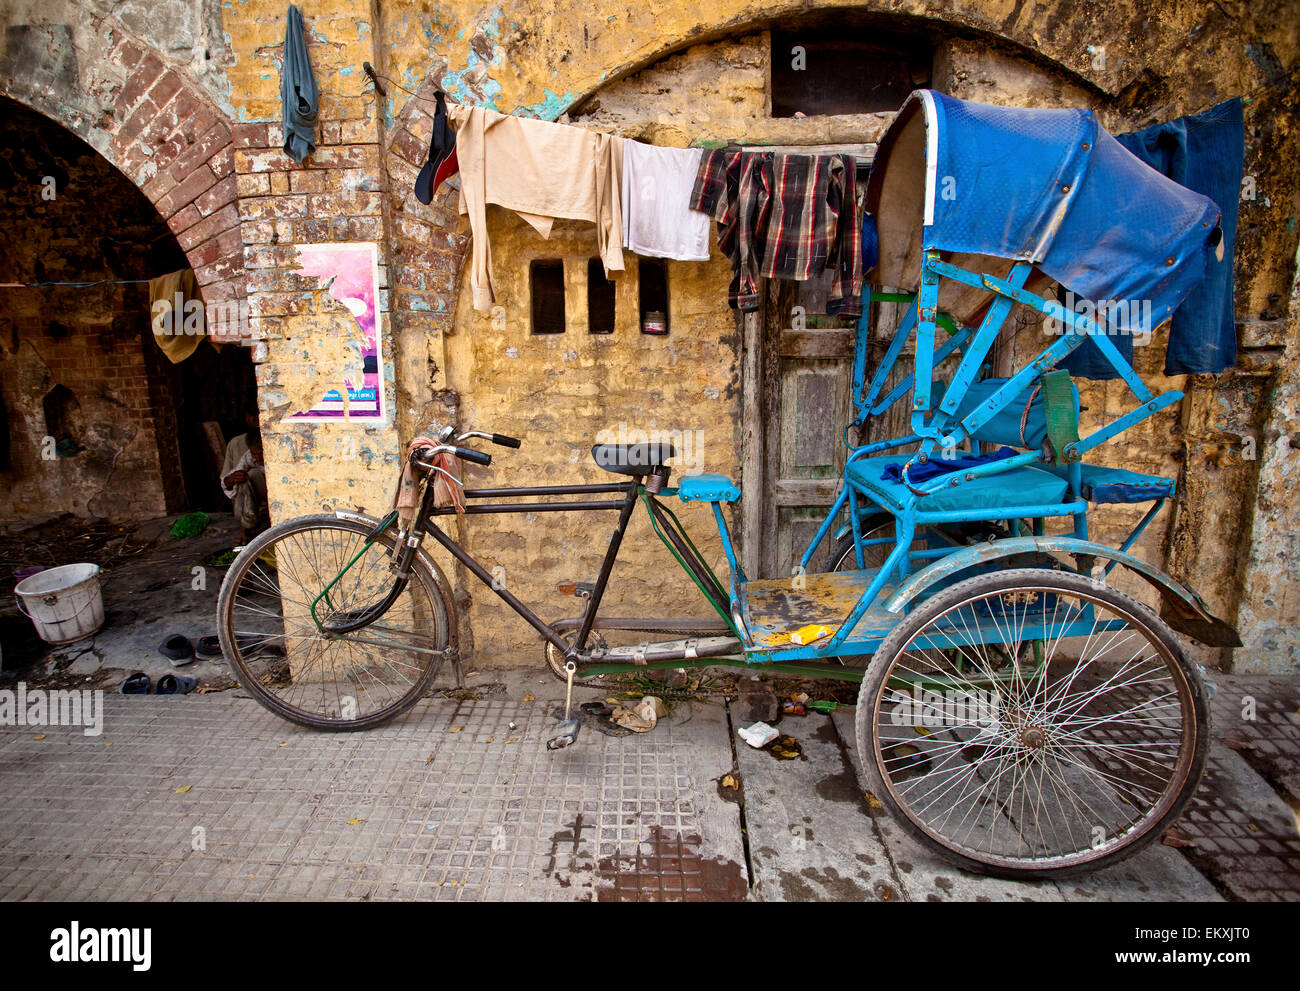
{"x": 132, "y": 434}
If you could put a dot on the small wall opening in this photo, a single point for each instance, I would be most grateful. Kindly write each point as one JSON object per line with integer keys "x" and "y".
{"x": 822, "y": 72}
{"x": 63, "y": 421}
{"x": 546, "y": 285}
{"x": 600, "y": 299}
{"x": 652, "y": 290}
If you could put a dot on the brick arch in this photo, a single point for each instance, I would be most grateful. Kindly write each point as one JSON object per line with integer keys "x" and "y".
{"x": 153, "y": 124}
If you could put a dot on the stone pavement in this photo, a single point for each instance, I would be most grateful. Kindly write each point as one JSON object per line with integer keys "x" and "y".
{"x": 212, "y": 797}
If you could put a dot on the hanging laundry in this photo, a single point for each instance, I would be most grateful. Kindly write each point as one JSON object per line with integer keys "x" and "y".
{"x": 784, "y": 216}
{"x": 177, "y": 314}
{"x": 298, "y": 96}
{"x": 442, "y": 163}
{"x": 658, "y": 221}
{"x": 814, "y": 225}
{"x": 1205, "y": 153}
{"x": 542, "y": 171}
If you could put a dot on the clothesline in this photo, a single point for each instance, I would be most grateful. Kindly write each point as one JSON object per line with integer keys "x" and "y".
{"x": 74, "y": 285}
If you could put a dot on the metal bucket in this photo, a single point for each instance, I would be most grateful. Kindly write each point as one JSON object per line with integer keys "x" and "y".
{"x": 64, "y": 603}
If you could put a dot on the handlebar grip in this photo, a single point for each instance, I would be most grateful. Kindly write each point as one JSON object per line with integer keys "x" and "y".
{"x": 477, "y": 457}
{"x": 504, "y": 441}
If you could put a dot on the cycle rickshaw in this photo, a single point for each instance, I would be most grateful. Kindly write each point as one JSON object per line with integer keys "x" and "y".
{"x": 1017, "y": 711}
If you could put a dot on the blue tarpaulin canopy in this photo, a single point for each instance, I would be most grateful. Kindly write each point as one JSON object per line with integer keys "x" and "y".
{"x": 991, "y": 185}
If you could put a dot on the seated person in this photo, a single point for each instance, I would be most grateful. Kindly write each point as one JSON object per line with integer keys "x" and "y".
{"x": 243, "y": 478}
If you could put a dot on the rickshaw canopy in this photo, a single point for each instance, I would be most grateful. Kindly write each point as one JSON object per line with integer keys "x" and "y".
{"x": 1048, "y": 187}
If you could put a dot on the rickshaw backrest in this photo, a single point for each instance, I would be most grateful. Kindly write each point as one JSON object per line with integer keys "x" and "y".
{"x": 1013, "y": 425}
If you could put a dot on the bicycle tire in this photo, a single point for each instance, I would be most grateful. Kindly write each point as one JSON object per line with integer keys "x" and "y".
{"x": 263, "y": 650}
{"x": 1095, "y": 747}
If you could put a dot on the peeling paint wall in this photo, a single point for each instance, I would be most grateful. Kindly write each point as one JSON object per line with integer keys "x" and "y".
{"x": 674, "y": 73}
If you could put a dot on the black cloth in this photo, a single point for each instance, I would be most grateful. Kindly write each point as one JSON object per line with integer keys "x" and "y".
{"x": 442, "y": 162}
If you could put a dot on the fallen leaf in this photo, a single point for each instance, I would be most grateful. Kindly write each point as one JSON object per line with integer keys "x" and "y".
{"x": 456, "y": 729}
{"x": 873, "y": 801}
{"x": 40, "y": 737}
{"x": 283, "y": 744}
{"x": 183, "y": 789}
{"x": 1175, "y": 837}
{"x": 355, "y": 822}
{"x": 429, "y": 759}
{"x": 729, "y": 781}
{"x": 488, "y": 740}
{"x": 529, "y": 697}
{"x": 513, "y": 739}
{"x": 108, "y": 744}
{"x": 1236, "y": 740}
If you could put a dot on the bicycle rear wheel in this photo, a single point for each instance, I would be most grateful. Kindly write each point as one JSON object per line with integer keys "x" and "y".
{"x": 1071, "y": 758}
{"x": 287, "y": 583}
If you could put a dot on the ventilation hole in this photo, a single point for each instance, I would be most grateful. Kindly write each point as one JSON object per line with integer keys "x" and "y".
{"x": 546, "y": 281}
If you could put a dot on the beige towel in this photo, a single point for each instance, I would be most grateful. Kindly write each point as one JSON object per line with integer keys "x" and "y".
{"x": 175, "y": 340}
{"x": 541, "y": 171}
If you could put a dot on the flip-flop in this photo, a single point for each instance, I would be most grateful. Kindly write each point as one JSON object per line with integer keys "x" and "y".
{"x": 172, "y": 684}
{"x": 135, "y": 684}
{"x": 209, "y": 647}
{"x": 178, "y": 649}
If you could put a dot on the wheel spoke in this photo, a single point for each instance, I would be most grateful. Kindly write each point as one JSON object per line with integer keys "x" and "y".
{"x": 1075, "y": 760}
{"x": 300, "y": 670}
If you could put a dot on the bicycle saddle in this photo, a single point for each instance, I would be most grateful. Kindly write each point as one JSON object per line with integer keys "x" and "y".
{"x": 632, "y": 459}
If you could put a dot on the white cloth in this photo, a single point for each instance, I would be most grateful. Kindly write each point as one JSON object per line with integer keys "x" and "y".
{"x": 657, "y": 217}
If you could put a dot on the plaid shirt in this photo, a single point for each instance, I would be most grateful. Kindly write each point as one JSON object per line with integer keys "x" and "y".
{"x": 784, "y": 216}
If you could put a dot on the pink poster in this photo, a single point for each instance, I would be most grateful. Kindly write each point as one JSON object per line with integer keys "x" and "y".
{"x": 354, "y": 269}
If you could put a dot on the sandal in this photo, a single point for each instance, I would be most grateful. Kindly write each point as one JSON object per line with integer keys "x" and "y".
{"x": 177, "y": 649}
{"x": 135, "y": 684}
{"x": 171, "y": 684}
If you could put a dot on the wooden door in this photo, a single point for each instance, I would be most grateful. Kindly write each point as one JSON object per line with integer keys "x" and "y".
{"x": 808, "y": 372}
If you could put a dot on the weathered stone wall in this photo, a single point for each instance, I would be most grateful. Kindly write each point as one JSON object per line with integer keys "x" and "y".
{"x": 675, "y": 74}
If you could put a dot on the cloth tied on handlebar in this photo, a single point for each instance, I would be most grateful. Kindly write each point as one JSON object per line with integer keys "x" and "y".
{"x": 406, "y": 500}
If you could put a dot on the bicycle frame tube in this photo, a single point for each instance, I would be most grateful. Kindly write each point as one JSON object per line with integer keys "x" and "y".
{"x": 425, "y": 524}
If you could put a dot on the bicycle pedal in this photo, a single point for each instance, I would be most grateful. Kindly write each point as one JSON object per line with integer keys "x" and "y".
{"x": 566, "y": 735}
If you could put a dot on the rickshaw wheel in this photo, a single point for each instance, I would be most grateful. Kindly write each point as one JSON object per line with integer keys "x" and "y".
{"x": 1050, "y": 772}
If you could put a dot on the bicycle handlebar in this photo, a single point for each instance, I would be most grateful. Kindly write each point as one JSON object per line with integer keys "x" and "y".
{"x": 421, "y": 455}
{"x": 477, "y": 457}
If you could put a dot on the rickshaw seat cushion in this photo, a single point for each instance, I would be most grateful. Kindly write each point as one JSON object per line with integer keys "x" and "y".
{"x": 636, "y": 460}
{"x": 1118, "y": 486}
{"x": 1004, "y": 426}
{"x": 707, "y": 487}
{"x": 1024, "y": 486}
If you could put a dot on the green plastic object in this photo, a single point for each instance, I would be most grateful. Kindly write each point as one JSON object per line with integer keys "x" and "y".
{"x": 1061, "y": 414}
{"x": 191, "y": 524}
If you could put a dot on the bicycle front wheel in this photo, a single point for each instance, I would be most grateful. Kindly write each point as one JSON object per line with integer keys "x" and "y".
{"x": 273, "y": 614}
{"x": 1032, "y": 723}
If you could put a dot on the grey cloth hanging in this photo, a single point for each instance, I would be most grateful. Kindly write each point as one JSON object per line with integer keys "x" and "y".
{"x": 298, "y": 95}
